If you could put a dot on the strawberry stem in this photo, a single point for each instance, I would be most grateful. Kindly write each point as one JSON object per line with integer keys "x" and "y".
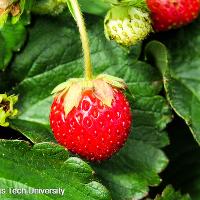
{"x": 84, "y": 38}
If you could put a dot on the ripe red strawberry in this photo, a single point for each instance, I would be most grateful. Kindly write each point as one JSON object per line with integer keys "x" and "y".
{"x": 90, "y": 116}
{"x": 92, "y": 129}
{"x": 168, "y": 14}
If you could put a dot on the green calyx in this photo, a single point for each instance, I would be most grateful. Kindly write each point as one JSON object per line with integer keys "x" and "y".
{"x": 102, "y": 86}
{"x": 127, "y": 25}
{"x": 7, "y": 108}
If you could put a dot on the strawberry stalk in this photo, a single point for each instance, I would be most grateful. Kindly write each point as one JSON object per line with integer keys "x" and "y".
{"x": 75, "y": 8}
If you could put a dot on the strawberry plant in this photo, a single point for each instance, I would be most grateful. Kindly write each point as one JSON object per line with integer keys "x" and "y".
{"x": 99, "y": 100}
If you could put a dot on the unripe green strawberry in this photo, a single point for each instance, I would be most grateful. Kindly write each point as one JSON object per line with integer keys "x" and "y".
{"x": 127, "y": 25}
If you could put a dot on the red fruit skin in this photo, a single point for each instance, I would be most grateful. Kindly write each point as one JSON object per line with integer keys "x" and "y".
{"x": 168, "y": 14}
{"x": 93, "y": 130}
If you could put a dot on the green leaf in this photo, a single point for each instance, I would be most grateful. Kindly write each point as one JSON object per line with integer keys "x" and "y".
{"x": 170, "y": 194}
{"x": 12, "y": 38}
{"x": 181, "y": 76}
{"x": 184, "y": 152}
{"x": 99, "y": 7}
{"x": 52, "y": 55}
{"x": 46, "y": 166}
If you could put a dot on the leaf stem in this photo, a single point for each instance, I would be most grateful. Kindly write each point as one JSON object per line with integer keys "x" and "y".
{"x": 84, "y": 38}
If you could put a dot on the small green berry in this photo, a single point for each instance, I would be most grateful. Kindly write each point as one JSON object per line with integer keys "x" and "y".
{"x": 127, "y": 25}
